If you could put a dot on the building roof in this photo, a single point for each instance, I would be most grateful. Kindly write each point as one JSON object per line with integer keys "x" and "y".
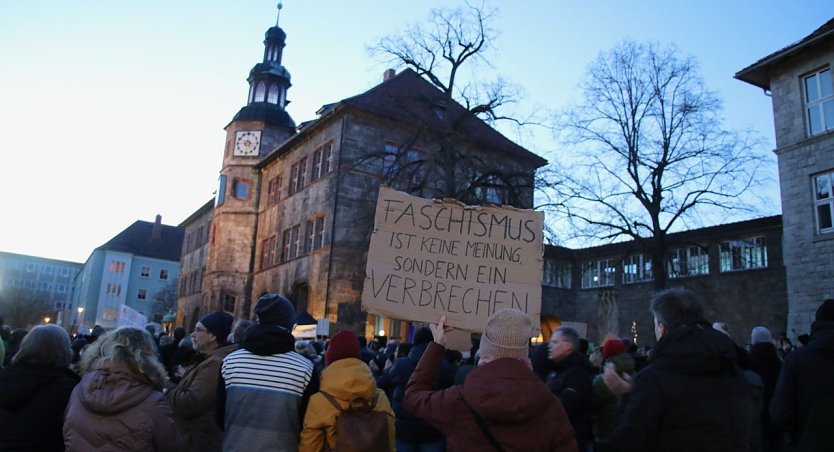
{"x": 138, "y": 239}
{"x": 409, "y": 98}
{"x": 16, "y": 256}
{"x": 758, "y": 73}
{"x": 208, "y": 206}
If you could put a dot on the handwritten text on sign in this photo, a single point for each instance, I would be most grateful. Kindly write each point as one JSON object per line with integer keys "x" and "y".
{"x": 429, "y": 258}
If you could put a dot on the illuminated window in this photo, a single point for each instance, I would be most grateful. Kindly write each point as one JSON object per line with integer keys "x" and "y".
{"x": 637, "y": 268}
{"x": 688, "y": 261}
{"x": 744, "y": 254}
{"x": 557, "y": 274}
{"x": 598, "y": 273}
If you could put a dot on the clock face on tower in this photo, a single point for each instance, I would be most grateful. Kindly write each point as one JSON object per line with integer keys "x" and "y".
{"x": 247, "y": 143}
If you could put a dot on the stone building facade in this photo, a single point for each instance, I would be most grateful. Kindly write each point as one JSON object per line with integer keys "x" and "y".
{"x": 798, "y": 78}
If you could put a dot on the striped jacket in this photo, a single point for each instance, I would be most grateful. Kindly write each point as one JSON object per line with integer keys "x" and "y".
{"x": 264, "y": 394}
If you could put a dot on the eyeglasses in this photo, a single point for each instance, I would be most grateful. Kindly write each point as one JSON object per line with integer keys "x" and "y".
{"x": 200, "y": 330}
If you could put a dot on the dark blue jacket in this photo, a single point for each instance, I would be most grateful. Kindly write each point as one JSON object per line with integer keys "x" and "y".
{"x": 571, "y": 381}
{"x": 394, "y": 380}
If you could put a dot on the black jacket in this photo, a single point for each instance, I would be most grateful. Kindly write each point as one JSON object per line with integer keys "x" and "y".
{"x": 803, "y": 402}
{"x": 571, "y": 381}
{"x": 690, "y": 396}
{"x": 32, "y": 403}
{"x": 394, "y": 380}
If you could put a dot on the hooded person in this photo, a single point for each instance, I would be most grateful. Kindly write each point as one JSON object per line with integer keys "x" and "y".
{"x": 502, "y": 404}
{"x": 413, "y": 433}
{"x": 345, "y": 379}
{"x": 606, "y": 402}
{"x": 193, "y": 398}
{"x": 264, "y": 386}
{"x": 803, "y": 400}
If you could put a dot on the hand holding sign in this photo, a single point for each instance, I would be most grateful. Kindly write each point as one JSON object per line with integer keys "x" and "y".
{"x": 438, "y": 330}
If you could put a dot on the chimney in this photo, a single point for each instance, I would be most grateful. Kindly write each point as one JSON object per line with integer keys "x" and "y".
{"x": 388, "y": 74}
{"x": 157, "y": 228}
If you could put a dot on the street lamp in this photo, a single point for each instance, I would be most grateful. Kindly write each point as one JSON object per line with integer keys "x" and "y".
{"x": 46, "y": 319}
{"x": 80, "y": 311}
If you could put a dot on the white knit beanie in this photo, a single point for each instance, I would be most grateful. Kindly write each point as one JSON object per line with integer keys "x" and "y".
{"x": 506, "y": 335}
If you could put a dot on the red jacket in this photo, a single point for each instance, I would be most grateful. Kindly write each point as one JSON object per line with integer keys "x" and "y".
{"x": 519, "y": 410}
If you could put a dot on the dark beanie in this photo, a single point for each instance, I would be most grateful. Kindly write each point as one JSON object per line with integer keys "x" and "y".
{"x": 343, "y": 344}
{"x": 274, "y": 309}
{"x": 423, "y": 336}
{"x": 825, "y": 313}
{"x": 612, "y": 347}
{"x": 219, "y": 324}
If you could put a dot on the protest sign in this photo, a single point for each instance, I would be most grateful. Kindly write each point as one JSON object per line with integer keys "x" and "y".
{"x": 429, "y": 258}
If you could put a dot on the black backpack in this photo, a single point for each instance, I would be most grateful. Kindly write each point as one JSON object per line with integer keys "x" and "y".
{"x": 359, "y": 428}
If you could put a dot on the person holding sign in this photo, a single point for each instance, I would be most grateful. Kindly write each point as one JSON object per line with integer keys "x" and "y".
{"x": 503, "y": 405}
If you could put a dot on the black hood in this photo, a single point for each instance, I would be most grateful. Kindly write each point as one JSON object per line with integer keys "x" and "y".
{"x": 822, "y": 338}
{"x": 20, "y": 382}
{"x": 695, "y": 350}
{"x": 267, "y": 340}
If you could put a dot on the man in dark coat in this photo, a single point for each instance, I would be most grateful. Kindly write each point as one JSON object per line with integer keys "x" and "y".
{"x": 411, "y": 432}
{"x": 691, "y": 395}
{"x": 803, "y": 402}
{"x": 764, "y": 360}
{"x": 570, "y": 381}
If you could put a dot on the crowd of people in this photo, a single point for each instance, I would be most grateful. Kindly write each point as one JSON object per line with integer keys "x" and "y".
{"x": 252, "y": 386}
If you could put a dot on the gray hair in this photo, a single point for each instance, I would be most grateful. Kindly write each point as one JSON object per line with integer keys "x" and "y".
{"x": 131, "y": 347}
{"x": 569, "y": 335}
{"x": 45, "y": 344}
{"x": 676, "y": 307}
{"x": 240, "y": 330}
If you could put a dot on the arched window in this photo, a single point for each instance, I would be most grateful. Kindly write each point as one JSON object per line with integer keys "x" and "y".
{"x": 260, "y": 92}
{"x": 251, "y": 94}
{"x": 273, "y": 93}
{"x": 283, "y": 100}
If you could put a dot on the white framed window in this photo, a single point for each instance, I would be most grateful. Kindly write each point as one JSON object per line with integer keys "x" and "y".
{"x": 824, "y": 202}
{"x": 637, "y": 268}
{"x": 314, "y": 235}
{"x": 598, "y": 273}
{"x": 163, "y": 274}
{"x": 819, "y": 101}
{"x": 743, "y": 254}
{"x": 114, "y": 289}
{"x": 688, "y": 261}
{"x": 557, "y": 274}
{"x": 145, "y": 272}
{"x": 142, "y": 294}
{"x": 65, "y": 271}
{"x": 260, "y": 92}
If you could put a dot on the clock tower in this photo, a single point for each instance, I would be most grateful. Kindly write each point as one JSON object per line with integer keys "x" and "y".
{"x": 258, "y": 128}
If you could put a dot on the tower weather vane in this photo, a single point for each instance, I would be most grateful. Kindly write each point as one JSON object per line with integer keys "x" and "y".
{"x": 280, "y": 5}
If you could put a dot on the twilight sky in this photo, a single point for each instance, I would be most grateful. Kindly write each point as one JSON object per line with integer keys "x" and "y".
{"x": 113, "y": 111}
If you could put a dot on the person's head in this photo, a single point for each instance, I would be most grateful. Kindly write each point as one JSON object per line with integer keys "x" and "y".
{"x": 676, "y": 307}
{"x": 179, "y": 333}
{"x": 17, "y": 337}
{"x": 275, "y": 310}
{"x": 403, "y": 348}
{"x": 722, "y": 327}
{"x": 506, "y": 335}
{"x": 562, "y": 343}
{"x": 343, "y": 345}
{"x": 211, "y": 331}
{"x": 422, "y": 336}
{"x": 151, "y": 328}
{"x": 613, "y": 347}
{"x": 128, "y": 346}
{"x": 5, "y": 332}
{"x": 164, "y": 339}
{"x": 760, "y": 334}
{"x": 300, "y": 346}
{"x": 803, "y": 339}
{"x": 97, "y": 332}
{"x": 363, "y": 341}
{"x": 240, "y": 330}
{"x": 46, "y": 344}
{"x": 825, "y": 313}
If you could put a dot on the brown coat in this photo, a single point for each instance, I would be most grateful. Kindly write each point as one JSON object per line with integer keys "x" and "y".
{"x": 193, "y": 399}
{"x": 519, "y": 410}
{"x": 113, "y": 409}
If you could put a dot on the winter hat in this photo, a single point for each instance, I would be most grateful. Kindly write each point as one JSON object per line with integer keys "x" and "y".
{"x": 612, "y": 347}
{"x": 506, "y": 335}
{"x": 274, "y": 309}
{"x": 219, "y": 324}
{"x": 343, "y": 344}
{"x": 760, "y": 334}
{"x": 825, "y": 313}
{"x": 423, "y": 336}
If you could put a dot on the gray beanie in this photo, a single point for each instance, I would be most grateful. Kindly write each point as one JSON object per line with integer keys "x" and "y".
{"x": 506, "y": 335}
{"x": 760, "y": 334}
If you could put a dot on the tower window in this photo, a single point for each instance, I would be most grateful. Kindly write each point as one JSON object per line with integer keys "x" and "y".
{"x": 260, "y": 92}
{"x": 273, "y": 93}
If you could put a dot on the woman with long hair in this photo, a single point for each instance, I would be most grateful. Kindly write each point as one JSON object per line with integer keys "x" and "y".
{"x": 34, "y": 391}
{"x": 119, "y": 403}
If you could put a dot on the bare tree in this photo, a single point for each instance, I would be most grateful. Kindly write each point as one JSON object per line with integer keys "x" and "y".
{"x": 165, "y": 301}
{"x": 447, "y": 50}
{"x": 21, "y": 308}
{"x": 650, "y": 151}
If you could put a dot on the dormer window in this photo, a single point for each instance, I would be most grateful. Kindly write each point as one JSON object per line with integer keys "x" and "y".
{"x": 819, "y": 101}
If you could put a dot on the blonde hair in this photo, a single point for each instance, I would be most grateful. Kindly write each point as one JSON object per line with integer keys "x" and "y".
{"x": 128, "y": 346}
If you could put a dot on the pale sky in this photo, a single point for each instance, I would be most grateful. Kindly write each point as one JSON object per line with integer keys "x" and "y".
{"x": 113, "y": 111}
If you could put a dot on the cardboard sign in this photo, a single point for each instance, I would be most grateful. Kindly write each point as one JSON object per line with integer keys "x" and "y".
{"x": 429, "y": 258}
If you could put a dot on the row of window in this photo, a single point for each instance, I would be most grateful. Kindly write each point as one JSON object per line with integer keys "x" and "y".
{"x": 191, "y": 283}
{"x": 144, "y": 271}
{"x": 293, "y": 243}
{"x": 37, "y": 285}
{"x": 48, "y": 269}
{"x": 734, "y": 255}
{"x": 274, "y": 95}
{"x": 113, "y": 289}
{"x": 195, "y": 239}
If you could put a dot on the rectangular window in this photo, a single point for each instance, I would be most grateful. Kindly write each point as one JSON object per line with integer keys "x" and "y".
{"x": 274, "y": 190}
{"x": 65, "y": 271}
{"x": 637, "y": 268}
{"x": 47, "y": 269}
{"x": 142, "y": 294}
{"x": 163, "y": 274}
{"x": 241, "y": 189}
{"x": 292, "y": 243}
{"x": 229, "y": 302}
{"x": 404, "y": 168}
{"x": 221, "y": 192}
{"x": 557, "y": 274}
{"x": 321, "y": 162}
{"x": 285, "y": 246}
{"x": 314, "y": 234}
{"x": 145, "y": 272}
{"x": 688, "y": 261}
{"x": 30, "y": 267}
{"x": 62, "y": 288}
{"x": 744, "y": 254}
{"x": 819, "y": 101}
{"x": 268, "y": 252}
{"x": 598, "y": 273}
{"x": 824, "y": 202}
{"x": 114, "y": 289}
{"x": 298, "y": 176}
{"x": 116, "y": 267}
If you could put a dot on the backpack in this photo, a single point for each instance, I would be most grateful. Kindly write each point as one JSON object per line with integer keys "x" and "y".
{"x": 359, "y": 428}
